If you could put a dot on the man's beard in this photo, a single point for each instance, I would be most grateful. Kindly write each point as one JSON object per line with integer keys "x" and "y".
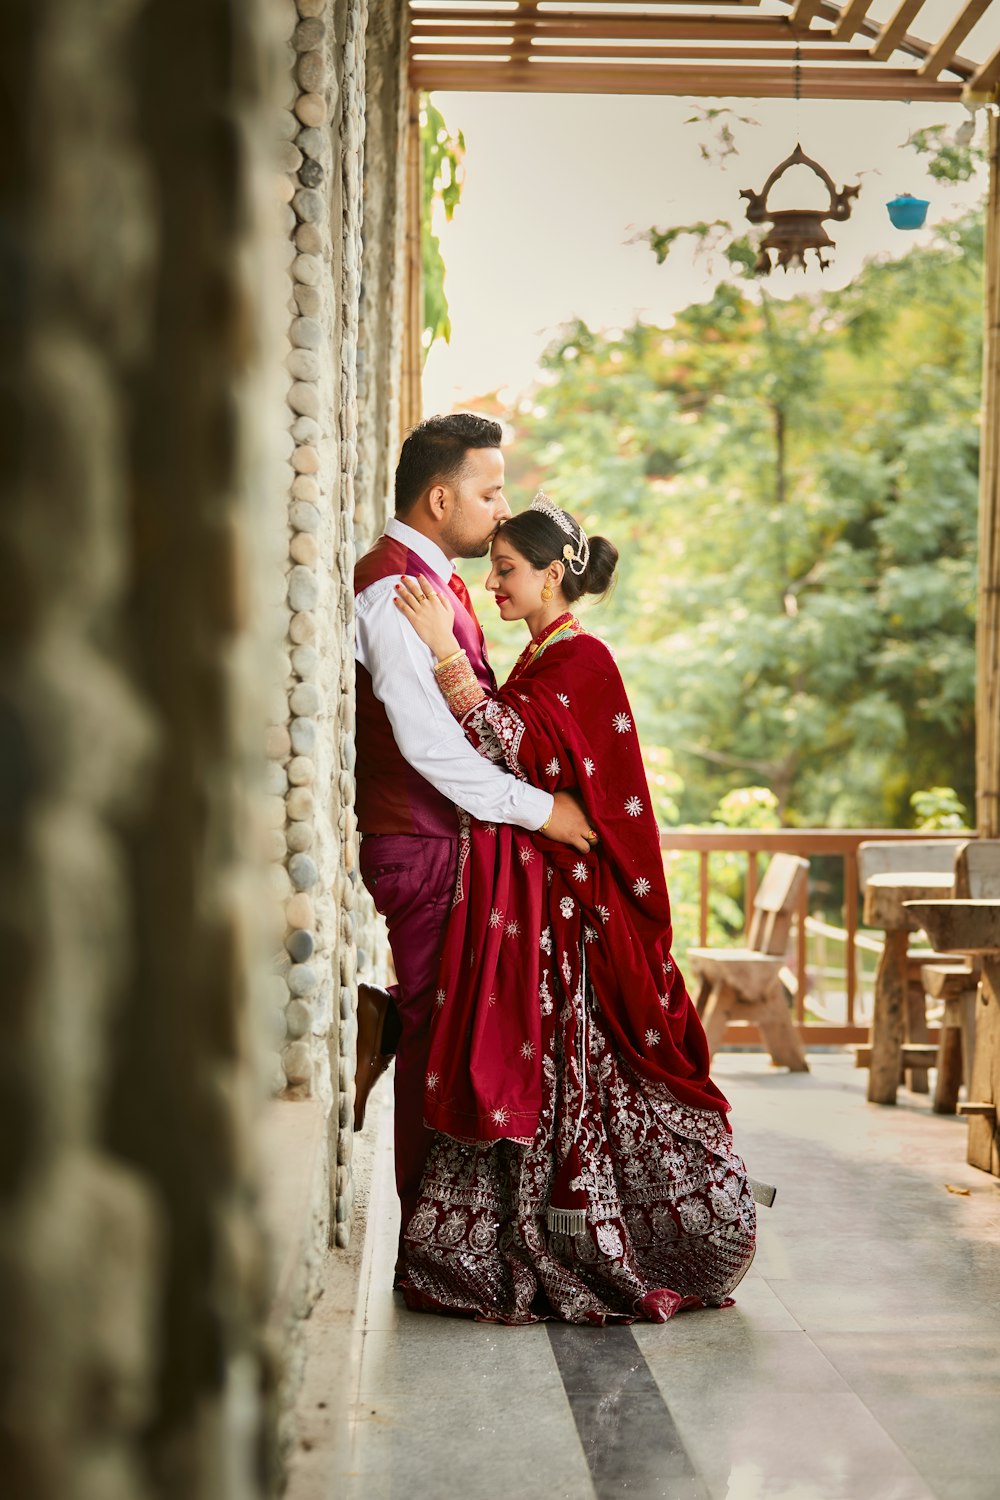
{"x": 463, "y": 547}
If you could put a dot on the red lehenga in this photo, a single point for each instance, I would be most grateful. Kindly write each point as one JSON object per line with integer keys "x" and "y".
{"x": 583, "y": 1167}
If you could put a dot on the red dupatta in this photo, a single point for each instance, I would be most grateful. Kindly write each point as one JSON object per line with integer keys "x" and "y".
{"x": 534, "y": 921}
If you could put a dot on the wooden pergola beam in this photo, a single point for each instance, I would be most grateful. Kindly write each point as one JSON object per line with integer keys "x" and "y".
{"x": 653, "y": 5}
{"x": 735, "y": 82}
{"x": 894, "y": 30}
{"x": 851, "y": 20}
{"x": 660, "y": 5}
{"x": 529, "y": 37}
{"x": 524, "y": 29}
{"x": 985, "y": 81}
{"x": 942, "y": 53}
{"x": 689, "y": 25}
{"x": 804, "y": 13}
{"x": 914, "y": 46}
{"x": 621, "y": 28}
{"x": 988, "y": 611}
{"x": 426, "y": 51}
{"x": 477, "y": 11}
{"x": 411, "y": 381}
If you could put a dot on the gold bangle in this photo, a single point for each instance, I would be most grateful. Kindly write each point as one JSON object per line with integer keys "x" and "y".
{"x": 447, "y": 660}
{"x": 542, "y": 826}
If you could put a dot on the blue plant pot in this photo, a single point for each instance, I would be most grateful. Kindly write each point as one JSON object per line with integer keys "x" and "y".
{"x": 907, "y": 212}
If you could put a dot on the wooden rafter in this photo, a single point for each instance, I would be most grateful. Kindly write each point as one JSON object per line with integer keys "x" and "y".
{"x": 914, "y": 46}
{"x": 667, "y": 52}
{"x": 742, "y": 82}
{"x": 805, "y": 12}
{"x": 986, "y": 80}
{"x": 895, "y": 29}
{"x": 988, "y": 613}
{"x": 941, "y": 55}
{"x": 693, "y": 47}
{"x": 621, "y": 28}
{"x": 410, "y": 393}
{"x": 525, "y": 24}
{"x": 851, "y": 19}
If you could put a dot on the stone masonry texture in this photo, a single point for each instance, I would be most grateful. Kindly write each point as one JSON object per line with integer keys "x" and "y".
{"x": 190, "y": 462}
{"x": 340, "y": 400}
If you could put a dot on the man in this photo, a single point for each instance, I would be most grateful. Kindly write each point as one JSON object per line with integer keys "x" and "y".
{"x": 415, "y": 767}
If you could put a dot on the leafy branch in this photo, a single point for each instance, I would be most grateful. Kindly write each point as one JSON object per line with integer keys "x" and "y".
{"x": 443, "y": 176}
{"x": 718, "y": 122}
{"x": 714, "y": 237}
{"x": 955, "y": 156}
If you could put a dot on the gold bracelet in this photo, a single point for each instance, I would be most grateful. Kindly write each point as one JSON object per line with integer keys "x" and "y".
{"x": 446, "y": 660}
{"x": 542, "y": 826}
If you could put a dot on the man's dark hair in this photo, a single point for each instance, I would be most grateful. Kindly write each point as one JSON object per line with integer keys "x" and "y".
{"x": 434, "y": 453}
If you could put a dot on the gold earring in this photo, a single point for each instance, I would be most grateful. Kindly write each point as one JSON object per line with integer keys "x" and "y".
{"x": 547, "y": 593}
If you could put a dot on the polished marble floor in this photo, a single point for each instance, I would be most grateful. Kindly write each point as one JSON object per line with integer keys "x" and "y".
{"x": 861, "y": 1361}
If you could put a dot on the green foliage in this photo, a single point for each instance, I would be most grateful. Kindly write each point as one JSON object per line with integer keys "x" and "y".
{"x": 793, "y": 489}
{"x": 714, "y": 237}
{"x": 662, "y": 241}
{"x": 939, "y": 807}
{"x": 748, "y": 807}
{"x": 664, "y": 783}
{"x": 741, "y": 254}
{"x": 954, "y": 156}
{"x": 718, "y": 137}
{"x": 443, "y": 156}
{"x": 745, "y": 807}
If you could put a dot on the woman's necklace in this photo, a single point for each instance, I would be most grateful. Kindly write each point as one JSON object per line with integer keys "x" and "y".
{"x": 565, "y": 622}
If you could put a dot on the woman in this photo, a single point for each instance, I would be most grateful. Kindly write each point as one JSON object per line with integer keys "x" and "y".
{"x": 583, "y": 1167}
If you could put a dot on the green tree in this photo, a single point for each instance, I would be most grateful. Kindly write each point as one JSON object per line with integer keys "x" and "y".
{"x": 793, "y": 489}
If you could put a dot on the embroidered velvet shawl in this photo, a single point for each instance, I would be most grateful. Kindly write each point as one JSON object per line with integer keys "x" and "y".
{"x": 534, "y": 921}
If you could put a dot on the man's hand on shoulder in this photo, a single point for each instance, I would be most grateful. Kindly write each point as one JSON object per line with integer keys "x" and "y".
{"x": 568, "y": 823}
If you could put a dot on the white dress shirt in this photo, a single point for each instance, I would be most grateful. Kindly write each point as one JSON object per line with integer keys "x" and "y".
{"x": 402, "y": 673}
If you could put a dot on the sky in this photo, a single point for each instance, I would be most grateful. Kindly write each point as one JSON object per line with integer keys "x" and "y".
{"x": 558, "y": 187}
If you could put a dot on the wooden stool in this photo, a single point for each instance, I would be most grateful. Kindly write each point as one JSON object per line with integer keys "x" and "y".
{"x": 956, "y": 985}
{"x": 897, "y": 1023}
{"x": 973, "y": 927}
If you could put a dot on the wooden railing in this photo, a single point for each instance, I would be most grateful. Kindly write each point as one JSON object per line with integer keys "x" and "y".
{"x": 808, "y": 843}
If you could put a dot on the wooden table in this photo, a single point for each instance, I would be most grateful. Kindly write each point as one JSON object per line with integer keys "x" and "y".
{"x": 894, "y": 1021}
{"x": 973, "y": 928}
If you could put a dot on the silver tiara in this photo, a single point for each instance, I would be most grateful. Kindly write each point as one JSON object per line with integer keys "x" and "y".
{"x": 577, "y": 556}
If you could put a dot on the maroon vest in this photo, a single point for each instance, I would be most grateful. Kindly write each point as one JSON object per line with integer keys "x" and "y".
{"x": 391, "y": 796}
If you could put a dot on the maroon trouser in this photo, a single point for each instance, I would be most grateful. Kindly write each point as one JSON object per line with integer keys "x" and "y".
{"x": 412, "y": 882}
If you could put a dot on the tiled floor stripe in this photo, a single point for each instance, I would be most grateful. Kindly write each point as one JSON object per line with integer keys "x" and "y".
{"x": 630, "y": 1439}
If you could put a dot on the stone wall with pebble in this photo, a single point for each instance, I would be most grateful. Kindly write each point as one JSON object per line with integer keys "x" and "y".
{"x": 175, "y": 513}
{"x": 141, "y": 318}
{"x": 311, "y": 742}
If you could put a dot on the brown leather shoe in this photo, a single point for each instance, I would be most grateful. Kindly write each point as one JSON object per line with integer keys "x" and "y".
{"x": 373, "y": 1006}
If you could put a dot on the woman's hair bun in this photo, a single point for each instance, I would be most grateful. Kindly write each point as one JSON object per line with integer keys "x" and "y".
{"x": 600, "y": 571}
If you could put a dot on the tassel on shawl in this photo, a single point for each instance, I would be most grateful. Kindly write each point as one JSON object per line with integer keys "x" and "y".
{"x": 566, "y": 1220}
{"x": 568, "y": 1203}
{"x": 762, "y": 1192}
{"x": 567, "y": 1212}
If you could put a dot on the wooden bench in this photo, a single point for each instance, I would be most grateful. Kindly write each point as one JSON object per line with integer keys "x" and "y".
{"x": 890, "y": 872}
{"x": 747, "y": 983}
{"x": 956, "y": 983}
